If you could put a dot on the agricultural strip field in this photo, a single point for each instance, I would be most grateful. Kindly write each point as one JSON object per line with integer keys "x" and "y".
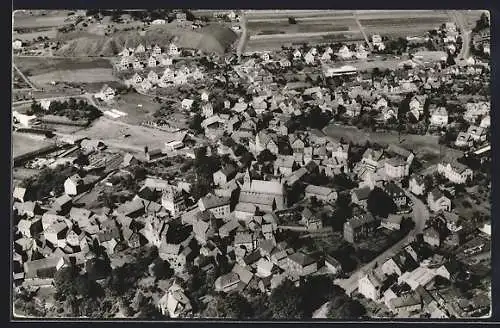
{"x": 51, "y": 33}
{"x": 330, "y": 25}
{"x": 91, "y": 75}
{"x": 24, "y": 20}
{"x": 43, "y": 70}
{"x": 270, "y": 42}
{"x": 40, "y": 65}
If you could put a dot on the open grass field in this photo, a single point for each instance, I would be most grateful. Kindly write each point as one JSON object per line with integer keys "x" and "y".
{"x": 40, "y": 19}
{"x": 138, "y": 107}
{"x": 22, "y": 144}
{"x": 417, "y": 143}
{"x": 50, "y": 33}
{"x": 90, "y": 75}
{"x": 40, "y": 65}
{"x": 113, "y": 132}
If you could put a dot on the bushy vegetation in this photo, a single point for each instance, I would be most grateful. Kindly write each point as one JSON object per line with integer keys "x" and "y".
{"x": 49, "y": 180}
{"x": 72, "y": 109}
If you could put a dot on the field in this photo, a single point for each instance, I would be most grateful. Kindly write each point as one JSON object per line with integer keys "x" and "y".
{"x": 113, "y": 133}
{"x": 91, "y": 75}
{"x": 40, "y": 19}
{"x": 43, "y": 70}
{"x": 51, "y": 33}
{"x": 40, "y": 65}
{"x": 138, "y": 107}
{"x": 22, "y": 144}
{"x": 418, "y": 143}
{"x": 270, "y": 29}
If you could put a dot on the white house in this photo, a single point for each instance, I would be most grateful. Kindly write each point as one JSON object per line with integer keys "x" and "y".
{"x": 309, "y": 58}
{"x": 173, "y": 50}
{"x": 439, "y": 117}
{"x": 370, "y": 286}
{"x": 187, "y": 103}
{"x": 437, "y": 201}
{"x": 344, "y": 52}
{"x": 106, "y": 93}
{"x": 455, "y": 172}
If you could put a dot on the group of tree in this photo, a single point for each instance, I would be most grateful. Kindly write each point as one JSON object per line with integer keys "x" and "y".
{"x": 49, "y": 180}
{"x": 482, "y": 23}
{"x": 379, "y": 203}
{"x": 72, "y": 109}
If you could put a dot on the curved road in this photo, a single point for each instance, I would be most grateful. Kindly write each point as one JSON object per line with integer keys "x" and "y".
{"x": 420, "y": 217}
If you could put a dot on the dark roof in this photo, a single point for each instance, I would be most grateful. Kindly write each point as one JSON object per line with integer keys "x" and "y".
{"x": 362, "y": 193}
{"x": 301, "y": 259}
{"x": 252, "y": 258}
{"x": 394, "y": 190}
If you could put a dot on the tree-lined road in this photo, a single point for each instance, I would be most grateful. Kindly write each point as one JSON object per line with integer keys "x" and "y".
{"x": 420, "y": 217}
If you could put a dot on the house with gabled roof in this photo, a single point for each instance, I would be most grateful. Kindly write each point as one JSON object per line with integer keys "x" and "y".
{"x": 437, "y": 201}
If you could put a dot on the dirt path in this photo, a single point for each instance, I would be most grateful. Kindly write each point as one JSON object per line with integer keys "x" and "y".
{"x": 33, "y": 87}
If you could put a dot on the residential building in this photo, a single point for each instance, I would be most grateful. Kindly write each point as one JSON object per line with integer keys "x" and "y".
{"x": 417, "y": 185}
{"x": 370, "y": 286}
{"x": 439, "y": 117}
{"x": 310, "y": 220}
{"x": 437, "y": 201}
{"x": 333, "y": 264}
{"x": 359, "y": 227}
{"x": 300, "y": 264}
{"x": 321, "y": 193}
{"x": 454, "y": 171}
{"x": 175, "y": 303}
{"x": 397, "y": 194}
{"x": 359, "y": 196}
{"x": 74, "y": 185}
{"x": 224, "y": 175}
{"x": 431, "y": 237}
{"x": 218, "y": 206}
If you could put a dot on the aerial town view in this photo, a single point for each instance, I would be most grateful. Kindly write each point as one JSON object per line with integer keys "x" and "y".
{"x": 251, "y": 164}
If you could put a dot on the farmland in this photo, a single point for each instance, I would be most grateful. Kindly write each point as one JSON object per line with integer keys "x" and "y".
{"x": 43, "y": 70}
{"x": 40, "y": 65}
{"x": 46, "y": 19}
{"x": 269, "y": 29}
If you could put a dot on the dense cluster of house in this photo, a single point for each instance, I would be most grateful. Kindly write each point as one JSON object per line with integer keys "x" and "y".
{"x": 247, "y": 208}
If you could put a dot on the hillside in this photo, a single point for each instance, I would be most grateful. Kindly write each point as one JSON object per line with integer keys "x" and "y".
{"x": 212, "y": 38}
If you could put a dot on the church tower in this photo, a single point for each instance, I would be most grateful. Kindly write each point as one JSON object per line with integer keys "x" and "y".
{"x": 247, "y": 180}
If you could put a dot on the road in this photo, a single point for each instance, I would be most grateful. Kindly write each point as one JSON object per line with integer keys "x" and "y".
{"x": 460, "y": 20}
{"x": 420, "y": 216}
{"x": 362, "y": 30}
{"x": 24, "y": 77}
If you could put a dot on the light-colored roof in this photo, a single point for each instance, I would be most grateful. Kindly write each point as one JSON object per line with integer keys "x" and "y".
{"x": 244, "y": 274}
{"x": 319, "y": 190}
{"x": 265, "y": 187}
{"x": 212, "y": 201}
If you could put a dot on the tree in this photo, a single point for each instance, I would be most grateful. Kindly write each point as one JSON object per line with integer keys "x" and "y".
{"x": 450, "y": 61}
{"x": 232, "y": 306}
{"x": 161, "y": 269}
{"x": 285, "y": 301}
{"x": 266, "y": 156}
{"x": 379, "y": 203}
